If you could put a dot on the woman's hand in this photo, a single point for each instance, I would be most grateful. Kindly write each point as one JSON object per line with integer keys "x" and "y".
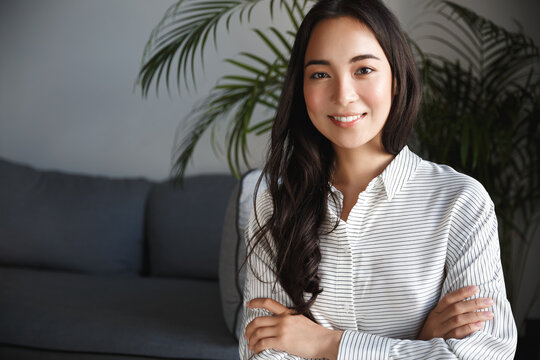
{"x": 294, "y": 334}
{"x": 455, "y": 318}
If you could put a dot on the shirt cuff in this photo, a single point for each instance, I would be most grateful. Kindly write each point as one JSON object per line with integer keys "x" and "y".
{"x": 359, "y": 345}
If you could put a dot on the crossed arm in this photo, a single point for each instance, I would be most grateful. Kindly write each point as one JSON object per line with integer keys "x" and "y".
{"x": 453, "y": 317}
{"x": 454, "y": 328}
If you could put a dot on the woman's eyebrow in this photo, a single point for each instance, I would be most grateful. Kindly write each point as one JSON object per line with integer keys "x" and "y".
{"x": 353, "y": 60}
{"x": 362, "y": 57}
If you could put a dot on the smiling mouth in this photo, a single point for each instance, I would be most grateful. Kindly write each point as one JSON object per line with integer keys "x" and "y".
{"x": 347, "y": 119}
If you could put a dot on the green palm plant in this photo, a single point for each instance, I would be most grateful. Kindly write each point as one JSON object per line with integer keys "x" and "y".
{"x": 183, "y": 32}
{"x": 479, "y": 114}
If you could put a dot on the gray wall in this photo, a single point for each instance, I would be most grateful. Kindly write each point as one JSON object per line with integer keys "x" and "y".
{"x": 68, "y": 68}
{"x": 67, "y": 74}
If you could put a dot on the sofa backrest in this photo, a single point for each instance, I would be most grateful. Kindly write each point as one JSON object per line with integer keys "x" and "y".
{"x": 61, "y": 221}
{"x": 233, "y": 249}
{"x": 184, "y": 226}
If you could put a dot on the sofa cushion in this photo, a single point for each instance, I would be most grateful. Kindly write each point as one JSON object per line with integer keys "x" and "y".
{"x": 55, "y": 220}
{"x": 184, "y": 226}
{"x": 233, "y": 249}
{"x": 130, "y": 315}
{"x": 24, "y": 353}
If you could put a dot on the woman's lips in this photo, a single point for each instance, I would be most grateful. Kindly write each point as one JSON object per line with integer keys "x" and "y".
{"x": 346, "y": 121}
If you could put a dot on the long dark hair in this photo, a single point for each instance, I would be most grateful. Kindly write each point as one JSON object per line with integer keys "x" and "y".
{"x": 300, "y": 160}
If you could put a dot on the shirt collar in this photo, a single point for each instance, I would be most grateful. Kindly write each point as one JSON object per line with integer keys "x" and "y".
{"x": 395, "y": 175}
{"x": 399, "y": 171}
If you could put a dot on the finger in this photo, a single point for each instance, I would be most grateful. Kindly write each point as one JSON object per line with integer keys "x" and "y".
{"x": 456, "y": 296}
{"x": 265, "y": 344}
{"x": 465, "y": 319}
{"x": 269, "y": 304}
{"x": 254, "y": 341}
{"x": 258, "y": 322}
{"x": 464, "y": 331}
{"x": 471, "y": 305}
{"x": 464, "y": 307}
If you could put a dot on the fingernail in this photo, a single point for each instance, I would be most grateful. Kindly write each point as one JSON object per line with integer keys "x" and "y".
{"x": 488, "y": 301}
{"x": 478, "y": 325}
{"x": 489, "y": 314}
{"x": 471, "y": 288}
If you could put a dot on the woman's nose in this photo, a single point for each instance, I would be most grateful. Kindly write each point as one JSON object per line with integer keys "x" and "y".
{"x": 344, "y": 92}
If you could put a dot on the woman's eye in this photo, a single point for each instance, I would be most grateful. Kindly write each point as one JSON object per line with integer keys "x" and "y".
{"x": 364, "y": 71}
{"x": 319, "y": 75}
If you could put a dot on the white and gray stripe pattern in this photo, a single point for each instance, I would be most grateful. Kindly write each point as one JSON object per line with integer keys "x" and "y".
{"x": 419, "y": 231}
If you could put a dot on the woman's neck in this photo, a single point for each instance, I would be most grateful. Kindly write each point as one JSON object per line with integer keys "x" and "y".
{"x": 355, "y": 168}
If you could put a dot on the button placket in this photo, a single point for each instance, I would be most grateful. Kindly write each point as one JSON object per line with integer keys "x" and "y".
{"x": 347, "y": 305}
{"x": 361, "y": 209}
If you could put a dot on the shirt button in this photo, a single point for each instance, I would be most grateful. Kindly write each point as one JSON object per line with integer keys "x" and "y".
{"x": 346, "y": 307}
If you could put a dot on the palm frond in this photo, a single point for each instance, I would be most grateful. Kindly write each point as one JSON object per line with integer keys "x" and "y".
{"x": 234, "y": 99}
{"x": 184, "y": 32}
{"x": 480, "y": 114}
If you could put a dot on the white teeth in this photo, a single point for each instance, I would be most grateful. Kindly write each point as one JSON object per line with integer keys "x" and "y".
{"x": 347, "y": 118}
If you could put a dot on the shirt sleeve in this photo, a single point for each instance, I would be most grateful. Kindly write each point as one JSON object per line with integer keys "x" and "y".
{"x": 261, "y": 283}
{"x": 473, "y": 258}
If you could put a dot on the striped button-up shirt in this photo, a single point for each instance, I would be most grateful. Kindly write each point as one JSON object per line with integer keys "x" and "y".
{"x": 418, "y": 231}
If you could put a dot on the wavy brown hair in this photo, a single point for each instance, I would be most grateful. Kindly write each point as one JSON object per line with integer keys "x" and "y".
{"x": 300, "y": 160}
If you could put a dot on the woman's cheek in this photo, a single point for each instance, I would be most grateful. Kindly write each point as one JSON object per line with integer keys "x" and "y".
{"x": 377, "y": 91}
{"x": 378, "y": 96}
{"x": 314, "y": 98}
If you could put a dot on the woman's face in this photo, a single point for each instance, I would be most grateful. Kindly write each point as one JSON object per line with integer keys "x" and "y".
{"x": 347, "y": 83}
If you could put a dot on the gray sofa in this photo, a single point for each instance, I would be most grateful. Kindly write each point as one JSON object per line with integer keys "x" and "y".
{"x": 100, "y": 268}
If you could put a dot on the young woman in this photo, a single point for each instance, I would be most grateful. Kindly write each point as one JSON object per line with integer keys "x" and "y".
{"x": 359, "y": 249}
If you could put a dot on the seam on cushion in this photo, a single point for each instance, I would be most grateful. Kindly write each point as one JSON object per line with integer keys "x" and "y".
{"x": 238, "y": 239}
{"x": 67, "y": 352}
{"x": 145, "y": 268}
